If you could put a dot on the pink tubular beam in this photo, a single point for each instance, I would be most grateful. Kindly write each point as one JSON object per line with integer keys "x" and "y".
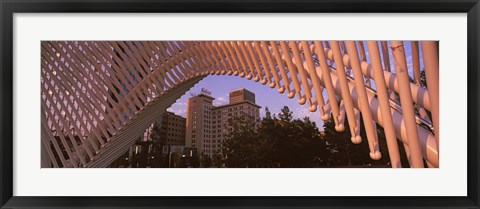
{"x": 293, "y": 71}
{"x": 231, "y": 61}
{"x": 254, "y": 58}
{"x": 363, "y": 57}
{"x": 106, "y": 93}
{"x": 370, "y": 126}
{"x": 268, "y": 78}
{"x": 236, "y": 70}
{"x": 430, "y": 58}
{"x": 281, "y": 68}
{"x": 240, "y": 57}
{"x": 415, "y": 62}
{"x": 341, "y": 117}
{"x": 313, "y": 74}
{"x": 427, "y": 142}
{"x": 251, "y": 74}
{"x": 354, "y": 127}
{"x": 386, "y": 58}
{"x": 419, "y": 94}
{"x": 303, "y": 74}
{"x": 416, "y": 76}
{"x": 328, "y": 85}
{"x": 382, "y": 94}
{"x": 272, "y": 66}
{"x": 407, "y": 103}
{"x": 361, "y": 48}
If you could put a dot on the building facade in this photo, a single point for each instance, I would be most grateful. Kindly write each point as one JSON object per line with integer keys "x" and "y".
{"x": 207, "y": 125}
{"x": 147, "y": 153}
{"x": 173, "y": 129}
{"x": 198, "y": 125}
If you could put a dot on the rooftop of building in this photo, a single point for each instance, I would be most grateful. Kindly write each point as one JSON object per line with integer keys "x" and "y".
{"x": 236, "y": 103}
{"x": 203, "y": 95}
{"x": 230, "y": 104}
{"x": 173, "y": 114}
{"x": 241, "y": 89}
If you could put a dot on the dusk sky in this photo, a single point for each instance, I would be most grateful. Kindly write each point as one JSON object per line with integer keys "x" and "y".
{"x": 265, "y": 96}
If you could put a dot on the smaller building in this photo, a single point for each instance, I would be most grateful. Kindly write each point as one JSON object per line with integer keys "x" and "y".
{"x": 241, "y": 95}
{"x": 147, "y": 152}
{"x": 173, "y": 129}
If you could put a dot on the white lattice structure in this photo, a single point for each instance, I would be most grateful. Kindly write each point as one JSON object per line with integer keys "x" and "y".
{"x": 98, "y": 97}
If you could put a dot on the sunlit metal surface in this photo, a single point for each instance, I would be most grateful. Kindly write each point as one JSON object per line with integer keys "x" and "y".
{"x": 99, "y": 96}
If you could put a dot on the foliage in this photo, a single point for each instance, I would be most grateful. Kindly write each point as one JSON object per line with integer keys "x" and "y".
{"x": 241, "y": 147}
{"x": 206, "y": 161}
{"x": 343, "y": 153}
{"x": 194, "y": 161}
{"x": 158, "y": 143}
{"x": 281, "y": 141}
{"x": 217, "y": 160}
{"x": 273, "y": 142}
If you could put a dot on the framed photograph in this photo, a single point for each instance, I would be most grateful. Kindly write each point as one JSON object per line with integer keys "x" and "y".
{"x": 195, "y": 104}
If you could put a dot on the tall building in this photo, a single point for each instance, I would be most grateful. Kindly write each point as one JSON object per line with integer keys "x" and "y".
{"x": 207, "y": 125}
{"x": 241, "y": 95}
{"x": 198, "y": 126}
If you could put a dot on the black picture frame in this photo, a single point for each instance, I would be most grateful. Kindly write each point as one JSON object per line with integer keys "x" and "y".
{"x": 10, "y": 7}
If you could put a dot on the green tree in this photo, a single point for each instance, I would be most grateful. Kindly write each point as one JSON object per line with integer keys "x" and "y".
{"x": 274, "y": 142}
{"x": 195, "y": 160}
{"x": 344, "y": 153}
{"x": 338, "y": 145}
{"x": 217, "y": 160}
{"x": 240, "y": 148}
{"x": 206, "y": 161}
{"x": 269, "y": 140}
{"x": 158, "y": 143}
{"x": 177, "y": 160}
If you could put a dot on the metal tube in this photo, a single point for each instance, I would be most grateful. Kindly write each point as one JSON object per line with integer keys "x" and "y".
{"x": 415, "y": 62}
{"x": 292, "y": 69}
{"x": 361, "y": 48}
{"x": 263, "y": 60}
{"x": 419, "y": 94}
{"x": 370, "y": 126}
{"x": 363, "y": 57}
{"x": 272, "y": 66}
{"x": 303, "y": 76}
{"x": 342, "y": 77}
{"x": 314, "y": 77}
{"x": 383, "y": 101}
{"x": 239, "y": 54}
{"x": 407, "y": 103}
{"x": 322, "y": 58}
{"x": 283, "y": 73}
{"x": 254, "y": 58}
{"x": 385, "y": 55}
{"x": 427, "y": 139}
{"x": 416, "y": 76}
{"x": 430, "y": 60}
{"x": 251, "y": 69}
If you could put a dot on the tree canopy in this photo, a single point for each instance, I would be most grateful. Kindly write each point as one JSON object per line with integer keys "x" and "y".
{"x": 279, "y": 140}
{"x": 274, "y": 141}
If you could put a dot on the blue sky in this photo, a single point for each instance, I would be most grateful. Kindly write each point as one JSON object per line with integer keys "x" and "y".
{"x": 220, "y": 85}
{"x": 265, "y": 96}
